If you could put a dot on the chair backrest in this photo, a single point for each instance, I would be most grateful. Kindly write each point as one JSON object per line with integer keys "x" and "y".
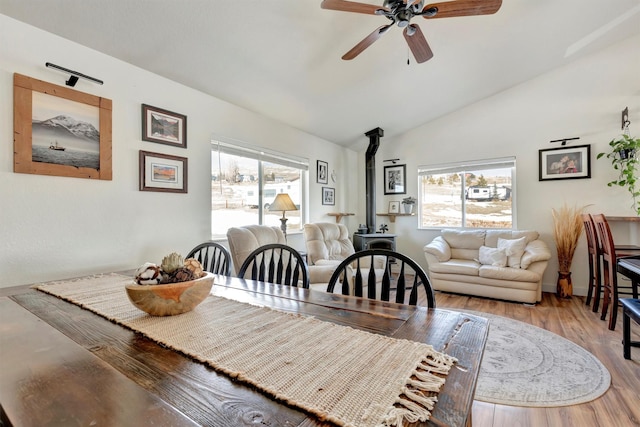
{"x": 326, "y": 240}
{"x": 246, "y": 239}
{"x": 408, "y": 277}
{"x": 605, "y": 238}
{"x": 214, "y": 257}
{"x": 593, "y": 244}
{"x": 276, "y": 263}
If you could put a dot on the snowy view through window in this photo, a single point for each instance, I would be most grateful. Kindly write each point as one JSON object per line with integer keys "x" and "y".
{"x": 242, "y": 189}
{"x": 470, "y": 198}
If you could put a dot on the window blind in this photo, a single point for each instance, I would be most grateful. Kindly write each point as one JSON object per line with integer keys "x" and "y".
{"x": 474, "y": 165}
{"x": 243, "y": 150}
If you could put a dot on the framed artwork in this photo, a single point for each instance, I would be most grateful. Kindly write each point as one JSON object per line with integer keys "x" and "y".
{"x": 328, "y": 196}
{"x": 322, "y": 175}
{"x": 60, "y": 131}
{"x": 565, "y": 163}
{"x": 394, "y": 179}
{"x": 394, "y": 207}
{"x": 162, "y": 172}
{"x": 163, "y": 126}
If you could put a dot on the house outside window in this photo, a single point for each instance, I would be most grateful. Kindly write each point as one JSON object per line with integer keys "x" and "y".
{"x": 477, "y": 194}
{"x": 244, "y": 182}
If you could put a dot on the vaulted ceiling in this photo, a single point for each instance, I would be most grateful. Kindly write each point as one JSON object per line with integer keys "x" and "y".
{"x": 281, "y": 58}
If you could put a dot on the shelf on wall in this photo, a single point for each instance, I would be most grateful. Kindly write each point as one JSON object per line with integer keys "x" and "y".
{"x": 392, "y": 216}
{"x": 339, "y": 215}
{"x": 623, "y": 218}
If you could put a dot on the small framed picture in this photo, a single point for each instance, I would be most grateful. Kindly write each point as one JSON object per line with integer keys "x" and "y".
{"x": 394, "y": 207}
{"x": 565, "y": 163}
{"x": 328, "y": 196}
{"x": 322, "y": 175}
{"x": 162, "y": 172}
{"x": 394, "y": 179}
{"x": 163, "y": 126}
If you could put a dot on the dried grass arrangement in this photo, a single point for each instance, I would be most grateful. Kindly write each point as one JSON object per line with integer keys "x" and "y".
{"x": 567, "y": 229}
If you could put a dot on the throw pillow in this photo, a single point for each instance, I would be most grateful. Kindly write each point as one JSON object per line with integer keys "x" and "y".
{"x": 514, "y": 249}
{"x": 493, "y": 256}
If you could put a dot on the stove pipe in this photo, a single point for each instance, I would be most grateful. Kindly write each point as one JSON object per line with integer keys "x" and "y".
{"x": 370, "y": 191}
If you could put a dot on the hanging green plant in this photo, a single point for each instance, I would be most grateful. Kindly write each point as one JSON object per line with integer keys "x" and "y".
{"x": 624, "y": 154}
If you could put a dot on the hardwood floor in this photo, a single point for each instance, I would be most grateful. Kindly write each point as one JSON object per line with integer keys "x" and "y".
{"x": 572, "y": 319}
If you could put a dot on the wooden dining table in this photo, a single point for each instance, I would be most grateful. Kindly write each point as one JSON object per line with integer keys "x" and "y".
{"x": 62, "y": 365}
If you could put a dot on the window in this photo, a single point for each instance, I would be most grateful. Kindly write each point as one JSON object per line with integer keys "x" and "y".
{"x": 470, "y": 195}
{"x": 244, "y": 182}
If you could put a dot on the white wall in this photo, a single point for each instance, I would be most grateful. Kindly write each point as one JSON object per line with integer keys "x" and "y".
{"x": 59, "y": 227}
{"x": 584, "y": 98}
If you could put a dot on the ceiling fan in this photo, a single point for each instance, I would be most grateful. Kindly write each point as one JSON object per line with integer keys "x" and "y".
{"x": 400, "y": 12}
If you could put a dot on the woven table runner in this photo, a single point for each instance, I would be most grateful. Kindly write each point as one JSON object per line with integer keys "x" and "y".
{"x": 340, "y": 374}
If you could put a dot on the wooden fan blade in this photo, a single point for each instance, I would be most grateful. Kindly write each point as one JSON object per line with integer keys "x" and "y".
{"x": 350, "y": 6}
{"x": 449, "y": 9}
{"x": 365, "y": 43}
{"x": 418, "y": 44}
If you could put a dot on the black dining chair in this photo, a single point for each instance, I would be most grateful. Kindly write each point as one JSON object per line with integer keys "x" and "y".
{"x": 406, "y": 276}
{"x": 276, "y": 263}
{"x": 630, "y": 311}
{"x": 214, "y": 257}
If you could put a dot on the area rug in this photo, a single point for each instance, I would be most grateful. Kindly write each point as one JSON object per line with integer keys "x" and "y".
{"x": 524, "y": 365}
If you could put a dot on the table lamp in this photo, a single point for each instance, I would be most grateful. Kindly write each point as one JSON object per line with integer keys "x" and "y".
{"x": 283, "y": 203}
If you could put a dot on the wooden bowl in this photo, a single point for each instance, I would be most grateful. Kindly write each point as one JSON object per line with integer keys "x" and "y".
{"x": 172, "y": 298}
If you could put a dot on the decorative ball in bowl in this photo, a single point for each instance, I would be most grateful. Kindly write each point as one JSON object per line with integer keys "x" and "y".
{"x": 173, "y": 287}
{"x": 170, "y": 298}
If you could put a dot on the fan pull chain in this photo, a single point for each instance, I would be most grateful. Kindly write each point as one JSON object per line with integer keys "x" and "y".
{"x": 408, "y": 57}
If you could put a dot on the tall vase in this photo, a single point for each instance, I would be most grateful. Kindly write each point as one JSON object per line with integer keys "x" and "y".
{"x": 564, "y": 287}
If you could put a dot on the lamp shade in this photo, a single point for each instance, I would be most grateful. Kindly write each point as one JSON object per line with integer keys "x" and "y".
{"x": 283, "y": 202}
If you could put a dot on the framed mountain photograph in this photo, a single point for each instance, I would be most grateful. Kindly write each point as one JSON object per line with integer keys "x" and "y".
{"x": 60, "y": 131}
{"x": 164, "y": 126}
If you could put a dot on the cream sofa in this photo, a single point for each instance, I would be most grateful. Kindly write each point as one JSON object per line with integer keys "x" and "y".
{"x": 502, "y": 264}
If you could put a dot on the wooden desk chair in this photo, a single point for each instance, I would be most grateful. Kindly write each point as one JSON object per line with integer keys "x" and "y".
{"x": 609, "y": 270}
{"x": 410, "y": 276}
{"x": 276, "y": 263}
{"x": 214, "y": 257}
{"x": 593, "y": 251}
{"x": 630, "y": 310}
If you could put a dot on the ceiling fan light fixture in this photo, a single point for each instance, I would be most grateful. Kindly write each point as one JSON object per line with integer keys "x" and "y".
{"x": 430, "y": 13}
{"x": 400, "y": 13}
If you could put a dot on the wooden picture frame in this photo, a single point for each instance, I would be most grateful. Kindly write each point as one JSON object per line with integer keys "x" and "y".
{"x": 59, "y": 131}
{"x": 328, "y": 196}
{"x": 394, "y": 207}
{"x": 322, "y": 172}
{"x": 565, "y": 163}
{"x": 394, "y": 179}
{"x": 163, "y": 172}
{"x": 164, "y": 126}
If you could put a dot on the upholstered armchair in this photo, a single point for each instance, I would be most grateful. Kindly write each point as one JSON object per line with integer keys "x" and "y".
{"x": 246, "y": 239}
{"x": 327, "y": 245}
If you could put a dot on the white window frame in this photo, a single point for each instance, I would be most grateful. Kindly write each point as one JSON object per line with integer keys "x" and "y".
{"x": 461, "y": 168}
{"x": 237, "y": 148}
